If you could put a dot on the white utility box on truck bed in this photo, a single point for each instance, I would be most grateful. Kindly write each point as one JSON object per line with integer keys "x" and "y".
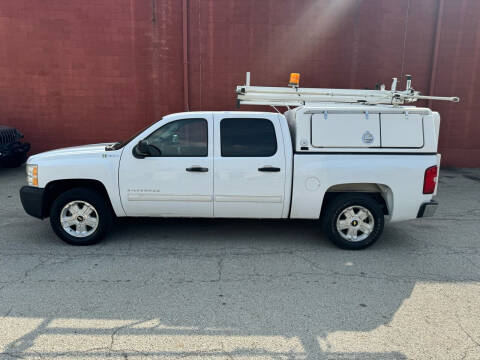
{"x": 350, "y": 158}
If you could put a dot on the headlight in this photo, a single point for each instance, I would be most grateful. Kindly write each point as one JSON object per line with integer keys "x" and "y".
{"x": 32, "y": 175}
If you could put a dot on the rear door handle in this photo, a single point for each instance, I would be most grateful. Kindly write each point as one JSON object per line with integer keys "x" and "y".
{"x": 269, "y": 169}
{"x": 197, "y": 169}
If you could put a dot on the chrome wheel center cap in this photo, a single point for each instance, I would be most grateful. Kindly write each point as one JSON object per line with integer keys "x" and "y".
{"x": 79, "y": 218}
{"x": 355, "y": 223}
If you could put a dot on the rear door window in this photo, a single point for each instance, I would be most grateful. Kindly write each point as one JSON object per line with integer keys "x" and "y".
{"x": 247, "y": 137}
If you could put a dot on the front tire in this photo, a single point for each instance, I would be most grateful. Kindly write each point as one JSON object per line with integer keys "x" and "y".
{"x": 80, "y": 216}
{"x": 353, "y": 221}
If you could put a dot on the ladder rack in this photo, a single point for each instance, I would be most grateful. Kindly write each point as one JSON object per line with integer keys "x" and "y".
{"x": 296, "y": 96}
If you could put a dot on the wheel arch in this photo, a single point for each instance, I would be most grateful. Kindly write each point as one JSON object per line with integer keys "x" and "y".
{"x": 54, "y": 188}
{"x": 380, "y": 192}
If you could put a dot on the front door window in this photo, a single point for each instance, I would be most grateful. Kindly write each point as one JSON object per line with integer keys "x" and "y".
{"x": 185, "y": 138}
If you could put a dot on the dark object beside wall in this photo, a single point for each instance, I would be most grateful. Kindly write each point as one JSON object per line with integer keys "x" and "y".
{"x": 13, "y": 153}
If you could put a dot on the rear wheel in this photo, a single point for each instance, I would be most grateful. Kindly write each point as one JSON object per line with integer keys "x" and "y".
{"x": 80, "y": 216}
{"x": 353, "y": 221}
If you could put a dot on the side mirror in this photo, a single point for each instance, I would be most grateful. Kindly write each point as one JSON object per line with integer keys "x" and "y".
{"x": 143, "y": 147}
{"x": 141, "y": 150}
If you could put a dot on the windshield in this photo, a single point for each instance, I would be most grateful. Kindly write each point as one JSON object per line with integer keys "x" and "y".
{"x": 120, "y": 144}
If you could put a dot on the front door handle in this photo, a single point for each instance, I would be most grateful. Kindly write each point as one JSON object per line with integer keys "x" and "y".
{"x": 197, "y": 169}
{"x": 269, "y": 169}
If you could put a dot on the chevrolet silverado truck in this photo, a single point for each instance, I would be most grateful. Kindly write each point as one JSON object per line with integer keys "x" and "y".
{"x": 350, "y": 166}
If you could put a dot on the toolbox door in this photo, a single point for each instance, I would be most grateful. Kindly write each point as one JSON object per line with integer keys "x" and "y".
{"x": 402, "y": 130}
{"x": 345, "y": 130}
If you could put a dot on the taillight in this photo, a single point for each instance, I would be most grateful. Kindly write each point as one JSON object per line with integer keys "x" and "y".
{"x": 430, "y": 180}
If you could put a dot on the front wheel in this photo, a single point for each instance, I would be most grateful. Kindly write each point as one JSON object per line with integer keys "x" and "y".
{"x": 353, "y": 221}
{"x": 80, "y": 216}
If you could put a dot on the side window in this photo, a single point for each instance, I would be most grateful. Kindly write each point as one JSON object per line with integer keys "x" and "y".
{"x": 188, "y": 138}
{"x": 247, "y": 138}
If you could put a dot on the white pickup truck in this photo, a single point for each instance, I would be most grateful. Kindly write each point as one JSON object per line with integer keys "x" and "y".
{"x": 353, "y": 166}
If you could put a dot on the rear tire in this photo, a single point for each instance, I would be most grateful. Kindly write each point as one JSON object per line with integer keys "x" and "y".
{"x": 81, "y": 216}
{"x": 353, "y": 221}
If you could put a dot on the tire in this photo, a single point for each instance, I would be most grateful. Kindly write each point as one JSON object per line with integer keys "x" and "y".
{"x": 89, "y": 224}
{"x": 353, "y": 230}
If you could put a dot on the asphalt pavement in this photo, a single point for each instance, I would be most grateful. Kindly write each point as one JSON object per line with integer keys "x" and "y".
{"x": 243, "y": 289}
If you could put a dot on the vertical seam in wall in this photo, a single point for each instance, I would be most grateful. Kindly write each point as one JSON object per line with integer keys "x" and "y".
{"x": 436, "y": 45}
{"x": 405, "y": 42}
{"x": 355, "y": 48}
{"x": 201, "y": 53}
{"x": 154, "y": 11}
{"x": 154, "y": 52}
{"x": 133, "y": 44}
{"x": 186, "y": 82}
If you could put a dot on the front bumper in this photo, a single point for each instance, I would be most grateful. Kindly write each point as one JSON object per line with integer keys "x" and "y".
{"x": 427, "y": 209}
{"x": 32, "y": 201}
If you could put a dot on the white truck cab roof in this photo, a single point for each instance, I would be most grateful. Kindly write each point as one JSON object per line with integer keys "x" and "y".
{"x": 226, "y": 113}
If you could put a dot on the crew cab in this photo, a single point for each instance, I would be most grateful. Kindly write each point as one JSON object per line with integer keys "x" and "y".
{"x": 352, "y": 167}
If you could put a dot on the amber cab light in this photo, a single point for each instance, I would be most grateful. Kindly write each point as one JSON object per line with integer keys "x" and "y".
{"x": 430, "y": 180}
{"x": 294, "y": 80}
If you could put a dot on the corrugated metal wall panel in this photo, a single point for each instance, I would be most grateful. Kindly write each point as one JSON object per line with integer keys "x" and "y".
{"x": 458, "y": 72}
{"x": 79, "y": 72}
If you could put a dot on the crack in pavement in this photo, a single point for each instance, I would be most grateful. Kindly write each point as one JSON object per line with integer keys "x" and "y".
{"x": 470, "y": 261}
{"x": 8, "y": 312}
{"x": 28, "y": 272}
{"x": 259, "y": 277}
{"x": 220, "y": 268}
{"x": 477, "y": 343}
{"x": 12, "y": 355}
{"x": 117, "y": 330}
{"x": 156, "y": 253}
